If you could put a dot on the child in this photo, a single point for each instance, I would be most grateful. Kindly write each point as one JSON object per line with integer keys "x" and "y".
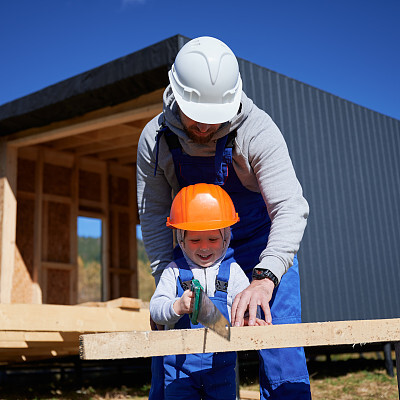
{"x": 202, "y": 215}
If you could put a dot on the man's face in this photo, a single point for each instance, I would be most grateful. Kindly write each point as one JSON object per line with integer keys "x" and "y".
{"x": 197, "y": 131}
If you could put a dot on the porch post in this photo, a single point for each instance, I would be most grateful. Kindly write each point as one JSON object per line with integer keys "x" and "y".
{"x": 8, "y": 217}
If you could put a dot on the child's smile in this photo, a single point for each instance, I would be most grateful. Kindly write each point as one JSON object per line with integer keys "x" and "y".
{"x": 203, "y": 247}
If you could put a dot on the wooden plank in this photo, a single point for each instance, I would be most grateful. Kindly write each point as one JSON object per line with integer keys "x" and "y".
{"x": 73, "y": 230}
{"x": 95, "y": 136}
{"x": 58, "y": 265}
{"x": 38, "y": 231}
{"x": 8, "y": 217}
{"x": 38, "y": 352}
{"x": 120, "y": 170}
{"x": 157, "y": 343}
{"x": 249, "y": 395}
{"x": 122, "y": 271}
{"x": 107, "y": 145}
{"x": 92, "y": 165}
{"x": 397, "y": 352}
{"x": 127, "y": 160}
{"x": 43, "y": 337}
{"x": 80, "y": 125}
{"x": 133, "y": 212}
{"x": 50, "y": 318}
{"x": 105, "y": 235}
{"x": 59, "y": 158}
{"x": 121, "y": 302}
{"x": 109, "y": 154}
{"x": 28, "y": 153}
{"x": 55, "y": 198}
{"x": 4, "y": 346}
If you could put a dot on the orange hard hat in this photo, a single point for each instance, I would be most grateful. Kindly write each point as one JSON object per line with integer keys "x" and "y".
{"x": 202, "y": 207}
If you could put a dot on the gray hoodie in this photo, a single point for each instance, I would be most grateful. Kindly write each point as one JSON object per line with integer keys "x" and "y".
{"x": 262, "y": 163}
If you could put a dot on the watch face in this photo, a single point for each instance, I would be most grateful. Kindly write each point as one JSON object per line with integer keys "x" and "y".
{"x": 259, "y": 273}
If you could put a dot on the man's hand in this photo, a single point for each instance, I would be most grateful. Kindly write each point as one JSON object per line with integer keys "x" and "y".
{"x": 259, "y": 293}
{"x": 259, "y": 322}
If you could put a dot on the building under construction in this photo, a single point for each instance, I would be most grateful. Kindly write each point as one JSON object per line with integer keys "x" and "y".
{"x": 69, "y": 150}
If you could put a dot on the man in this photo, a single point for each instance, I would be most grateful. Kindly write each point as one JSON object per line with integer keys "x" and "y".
{"x": 211, "y": 132}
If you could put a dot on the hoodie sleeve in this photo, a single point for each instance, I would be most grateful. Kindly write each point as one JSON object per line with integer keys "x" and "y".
{"x": 269, "y": 158}
{"x": 154, "y": 199}
{"x": 164, "y": 297}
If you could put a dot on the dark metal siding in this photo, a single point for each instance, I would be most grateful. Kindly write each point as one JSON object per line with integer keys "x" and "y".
{"x": 347, "y": 160}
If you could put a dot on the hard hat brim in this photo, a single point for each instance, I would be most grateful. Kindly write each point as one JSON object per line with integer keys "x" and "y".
{"x": 209, "y": 113}
{"x": 202, "y": 226}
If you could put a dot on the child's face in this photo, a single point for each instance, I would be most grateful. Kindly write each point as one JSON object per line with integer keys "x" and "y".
{"x": 204, "y": 248}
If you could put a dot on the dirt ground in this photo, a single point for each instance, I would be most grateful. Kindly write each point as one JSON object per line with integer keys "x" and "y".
{"x": 354, "y": 377}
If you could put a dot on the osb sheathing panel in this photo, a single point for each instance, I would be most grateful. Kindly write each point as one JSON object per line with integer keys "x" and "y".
{"x": 26, "y": 175}
{"x": 58, "y": 286}
{"x": 114, "y": 283}
{"x": 119, "y": 191}
{"x": 57, "y": 180}
{"x": 124, "y": 240}
{"x": 58, "y": 232}
{"x": 25, "y": 230}
{"x": 90, "y": 186}
{"x": 125, "y": 286}
{"x": 22, "y": 291}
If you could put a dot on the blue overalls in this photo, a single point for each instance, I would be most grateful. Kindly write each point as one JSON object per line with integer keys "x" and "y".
{"x": 209, "y": 376}
{"x": 283, "y": 372}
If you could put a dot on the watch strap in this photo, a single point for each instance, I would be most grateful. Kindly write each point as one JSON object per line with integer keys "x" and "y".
{"x": 260, "y": 273}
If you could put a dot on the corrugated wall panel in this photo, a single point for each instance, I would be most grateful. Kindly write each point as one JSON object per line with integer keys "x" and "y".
{"x": 346, "y": 158}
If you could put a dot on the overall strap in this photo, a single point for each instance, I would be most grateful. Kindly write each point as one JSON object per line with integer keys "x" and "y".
{"x": 185, "y": 276}
{"x": 230, "y": 143}
{"x": 222, "y": 279}
{"x": 174, "y": 146}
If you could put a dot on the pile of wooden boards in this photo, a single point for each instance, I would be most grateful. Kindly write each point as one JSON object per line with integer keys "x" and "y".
{"x": 40, "y": 331}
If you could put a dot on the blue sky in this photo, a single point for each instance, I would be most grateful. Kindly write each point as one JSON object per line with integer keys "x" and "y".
{"x": 347, "y": 47}
{"x": 350, "y": 48}
{"x": 91, "y": 227}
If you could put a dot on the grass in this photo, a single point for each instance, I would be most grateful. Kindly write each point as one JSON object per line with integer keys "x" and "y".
{"x": 344, "y": 377}
{"x": 351, "y": 377}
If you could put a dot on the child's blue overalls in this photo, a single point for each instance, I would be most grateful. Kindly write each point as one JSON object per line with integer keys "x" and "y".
{"x": 283, "y": 372}
{"x": 209, "y": 376}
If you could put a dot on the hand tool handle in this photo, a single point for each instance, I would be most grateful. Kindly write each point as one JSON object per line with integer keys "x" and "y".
{"x": 196, "y": 288}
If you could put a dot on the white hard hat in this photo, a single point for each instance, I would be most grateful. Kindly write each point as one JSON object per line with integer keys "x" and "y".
{"x": 206, "y": 82}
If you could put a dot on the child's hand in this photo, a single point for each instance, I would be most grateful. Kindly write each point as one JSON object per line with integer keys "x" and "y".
{"x": 184, "y": 305}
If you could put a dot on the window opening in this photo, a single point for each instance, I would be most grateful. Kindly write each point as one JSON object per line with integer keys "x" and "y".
{"x": 90, "y": 280}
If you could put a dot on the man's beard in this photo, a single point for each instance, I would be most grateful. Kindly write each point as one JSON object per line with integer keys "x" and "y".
{"x": 199, "y": 139}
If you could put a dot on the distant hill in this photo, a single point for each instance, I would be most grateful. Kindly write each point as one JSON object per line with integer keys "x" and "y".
{"x": 142, "y": 255}
{"x": 146, "y": 281}
{"x": 89, "y": 249}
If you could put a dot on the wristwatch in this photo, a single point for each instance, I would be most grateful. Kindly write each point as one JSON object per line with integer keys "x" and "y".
{"x": 259, "y": 273}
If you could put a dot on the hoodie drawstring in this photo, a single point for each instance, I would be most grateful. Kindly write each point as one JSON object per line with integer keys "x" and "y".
{"x": 160, "y": 132}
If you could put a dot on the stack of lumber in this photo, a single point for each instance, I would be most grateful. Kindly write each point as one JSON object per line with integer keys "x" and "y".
{"x": 41, "y": 331}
